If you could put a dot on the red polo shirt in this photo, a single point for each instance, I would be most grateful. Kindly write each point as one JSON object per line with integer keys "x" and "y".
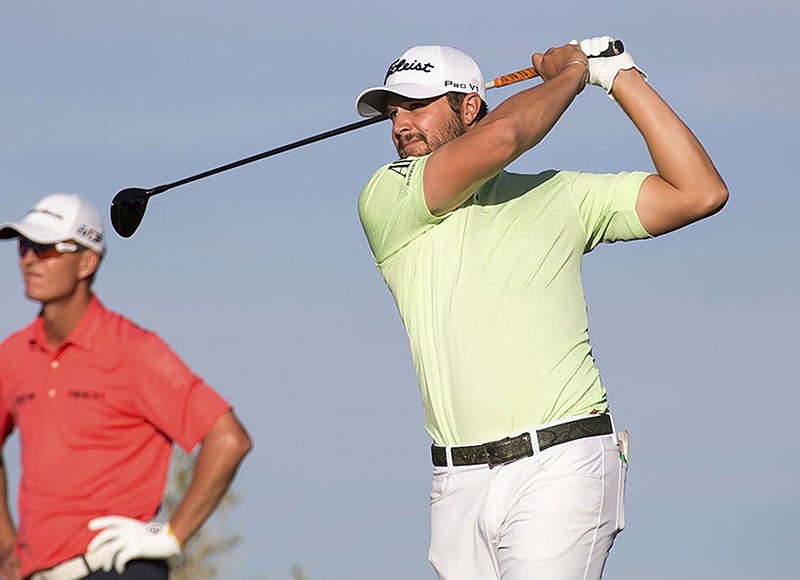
{"x": 97, "y": 418}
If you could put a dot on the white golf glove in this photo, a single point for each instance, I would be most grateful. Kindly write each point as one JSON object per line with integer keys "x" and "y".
{"x": 604, "y": 69}
{"x": 124, "y": 539}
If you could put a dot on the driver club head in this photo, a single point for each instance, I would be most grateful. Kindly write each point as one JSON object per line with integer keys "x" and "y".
{"x": 127, "y": 210}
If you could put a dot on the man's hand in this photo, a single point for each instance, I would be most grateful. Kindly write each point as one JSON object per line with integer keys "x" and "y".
{"x": 9, "y": 564}
{"x": 604, "y": 69}
{"x": 558, "y": 60}
{"x": 124, "y": 539}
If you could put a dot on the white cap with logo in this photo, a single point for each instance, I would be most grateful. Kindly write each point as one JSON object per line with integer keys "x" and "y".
{"x": 424, "y": 72}
{"x": 57, "y": 218}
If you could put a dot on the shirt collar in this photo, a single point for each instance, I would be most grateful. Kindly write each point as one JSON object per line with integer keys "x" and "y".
{"x": 84, "y": 335}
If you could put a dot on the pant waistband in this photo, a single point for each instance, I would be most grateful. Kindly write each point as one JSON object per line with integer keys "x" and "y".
{"x": 511, "y": 449}
{"x": 73, "y": 569}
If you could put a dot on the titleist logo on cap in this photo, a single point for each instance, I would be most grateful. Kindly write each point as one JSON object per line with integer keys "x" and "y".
{"x": 402, "y": 64}
{"x": 44, "y": 210}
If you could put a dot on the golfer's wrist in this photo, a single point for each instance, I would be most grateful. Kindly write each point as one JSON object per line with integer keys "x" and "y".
{"x": 626, "y": 84}
{"x": 171, "y": 534}
{"x": 575, "y": 71}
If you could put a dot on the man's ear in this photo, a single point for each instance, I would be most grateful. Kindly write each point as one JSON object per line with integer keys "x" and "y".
{"x": 470, "y": 108}
{"x": 90, "y": 262}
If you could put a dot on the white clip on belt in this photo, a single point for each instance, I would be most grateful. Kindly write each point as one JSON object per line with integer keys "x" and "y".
{"x": 74, "y": 569}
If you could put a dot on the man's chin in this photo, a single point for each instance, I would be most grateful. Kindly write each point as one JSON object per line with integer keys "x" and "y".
{"x": 415, "y": 150}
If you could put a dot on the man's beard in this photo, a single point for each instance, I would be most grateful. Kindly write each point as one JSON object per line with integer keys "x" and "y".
{"x": 451, "y": 129}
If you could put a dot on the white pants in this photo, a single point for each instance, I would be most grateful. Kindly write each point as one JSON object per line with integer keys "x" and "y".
{"x": 553, "y": 516}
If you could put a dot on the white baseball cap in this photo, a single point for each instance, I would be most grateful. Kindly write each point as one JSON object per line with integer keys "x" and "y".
{"x": 57, "y": 218}
{"x": 424, "y": 72}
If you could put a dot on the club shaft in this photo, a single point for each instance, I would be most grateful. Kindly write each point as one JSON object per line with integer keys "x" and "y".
{"x": 270, "y": 153}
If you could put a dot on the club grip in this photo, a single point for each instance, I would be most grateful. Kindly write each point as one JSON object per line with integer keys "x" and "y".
{"x": 614, "y": 49}
{"x": 514, "y": 77}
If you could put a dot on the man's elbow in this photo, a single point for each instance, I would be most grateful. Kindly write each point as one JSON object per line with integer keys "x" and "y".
{"x": 506, "y": 139}
{"x": 231, "y": 439}
{"x": 714, "y": 198}
{"x": 239, "y": 444}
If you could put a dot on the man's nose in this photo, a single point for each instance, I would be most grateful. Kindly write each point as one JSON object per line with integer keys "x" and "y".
{"x": 401, "y": 122}
{"x": 28, "y": 255}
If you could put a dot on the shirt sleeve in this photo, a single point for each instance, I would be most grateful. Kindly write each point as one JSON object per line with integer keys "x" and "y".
{"x": 174, "y": 398}
{"x": 6, "y": 418}
{"x": 607, "y": 206}
{"x": 392, "y": 207}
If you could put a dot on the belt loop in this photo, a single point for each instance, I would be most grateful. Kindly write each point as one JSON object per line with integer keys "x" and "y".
{"x": 89, "y": 570}
{"x": 535, "y": 442}
{"x": 448, "y": 452}
{"x": 613, "y": 427}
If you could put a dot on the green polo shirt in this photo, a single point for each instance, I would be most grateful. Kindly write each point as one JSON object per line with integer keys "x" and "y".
{"x": 491, "y": 296}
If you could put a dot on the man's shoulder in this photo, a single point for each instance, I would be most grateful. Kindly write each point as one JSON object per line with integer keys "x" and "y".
{"x": 118, "y": 326}
{"x": 394, "y": 185}
{"x": 18, "y": 338}
{"x": 399, "y": 171}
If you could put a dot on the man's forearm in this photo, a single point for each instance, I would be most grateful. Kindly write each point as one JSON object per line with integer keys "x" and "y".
{"x": 456, "y": 170}
{"x": 220, "y": 455}
{"x": 8, "y": 532}
{"x": 688, "y": 186}
{"x": 678, "y": 156}
{"x": 9, "y": 564}
{"x": 537, "y": 110}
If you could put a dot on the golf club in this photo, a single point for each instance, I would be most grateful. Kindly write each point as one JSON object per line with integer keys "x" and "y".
{"x": 129, "y": 204}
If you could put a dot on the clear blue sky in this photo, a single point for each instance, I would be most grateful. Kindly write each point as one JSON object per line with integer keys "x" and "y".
{"x": 261, "y": 279}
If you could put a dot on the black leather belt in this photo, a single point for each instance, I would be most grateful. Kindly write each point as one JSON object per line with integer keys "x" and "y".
{"x": 513, "y": 448}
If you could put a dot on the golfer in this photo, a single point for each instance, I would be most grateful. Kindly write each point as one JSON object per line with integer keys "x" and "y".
{"x": 98, "y": 402}
{"x": 484, "y": 266}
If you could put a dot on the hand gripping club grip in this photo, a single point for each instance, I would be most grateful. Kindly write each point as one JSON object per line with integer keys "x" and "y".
{"x": 614, "y": 49}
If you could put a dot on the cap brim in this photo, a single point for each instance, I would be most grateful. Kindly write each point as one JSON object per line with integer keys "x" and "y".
{"x": 33, "y": 233}
{"x": 372, "y": 102}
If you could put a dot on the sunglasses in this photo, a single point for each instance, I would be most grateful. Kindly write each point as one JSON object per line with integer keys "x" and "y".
{"x": 45, "y": 251}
